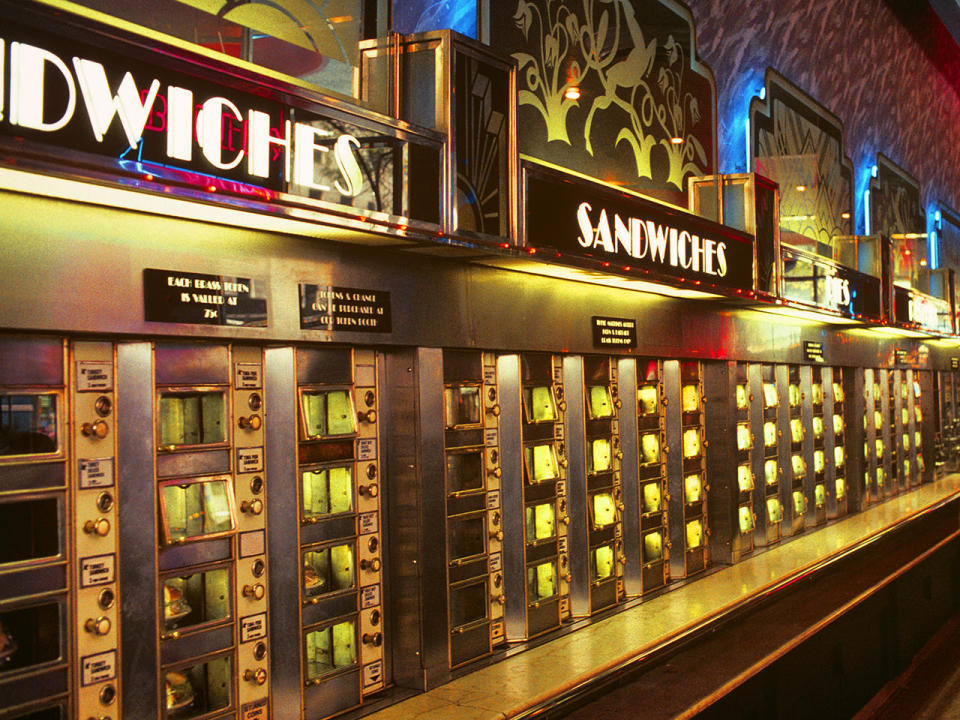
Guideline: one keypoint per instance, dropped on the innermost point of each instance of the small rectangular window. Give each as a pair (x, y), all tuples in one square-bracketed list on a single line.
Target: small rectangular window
[(601, 563), (746, 519), (650, 448), (652, 547), (196, 508), (326, 491), (540, 462), (603, 510), (195, 599), (462, 405), (541, 581), (29, 423), (690, 398), (192, 418), (538, 404), (330, 649), (327, 413), (651, 497), (600, 456), (694, 534), (467, 537), (744, 478), (647, 396), (540, 521), (199, 689), (465, 471), (692, 488), (328, 570), (599, 404), (468, 604)]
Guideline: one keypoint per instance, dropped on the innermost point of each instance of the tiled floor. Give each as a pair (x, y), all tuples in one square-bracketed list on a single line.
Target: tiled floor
[(521, 681)]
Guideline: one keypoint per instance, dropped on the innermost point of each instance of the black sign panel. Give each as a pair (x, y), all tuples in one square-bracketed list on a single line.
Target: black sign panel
[(614, 332), (584, 220), (954, 363), (198, 299), (820, 283), (166, 126), (900, 356), (813, 351), (325, 307)]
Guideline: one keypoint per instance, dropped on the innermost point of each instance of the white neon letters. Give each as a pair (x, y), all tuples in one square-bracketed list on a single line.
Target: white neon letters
[(646, 239), (223, 133)]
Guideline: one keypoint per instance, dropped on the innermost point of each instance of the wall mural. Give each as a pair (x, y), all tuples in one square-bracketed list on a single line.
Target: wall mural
[(612, 89), (798, 143)]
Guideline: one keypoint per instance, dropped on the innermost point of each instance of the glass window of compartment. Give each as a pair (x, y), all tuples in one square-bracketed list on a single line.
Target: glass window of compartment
[(192, 418), (197, 508), (538, 404), (652, 547), (817, 390), (837, 392), (770, 472), (540, 462), (744, 478), (651, 497), (769, 434), (603, 510), (817, 426), (467, 537), (798, 465), (326, 491), (468, 604), (819, 495), (793, 394), (29, 423), (744, 438), (29, 636), (541, 581), (694, 533), (741, 394), (465, 471), (647, 396), (198, 690), (799, 503), (818, 461), (774, 510), (29, 529), (837, 424), (745, 517), (196, 598), (841, 488), (327, 413), (600, 457), (540, 522), (691, 443), (328, 570), (462, 405), (330, 649), (601, 563), (838, 455), (796, 430), (690, 398), (769, 395), (650, 448), (599, 402), (692, 488)]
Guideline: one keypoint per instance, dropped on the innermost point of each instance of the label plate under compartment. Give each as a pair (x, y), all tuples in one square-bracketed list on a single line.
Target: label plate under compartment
[(369, 596), (96, 473), (252, 543), (246, 376), (97, 570), (368, 523), (98, 668), (256, 710), (253, 627), (250, 459), (366, 449), (94, 376), (373, 674)]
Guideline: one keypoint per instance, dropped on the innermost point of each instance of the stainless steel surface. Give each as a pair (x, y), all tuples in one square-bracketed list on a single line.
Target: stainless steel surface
[(674, 449), (630, 487), (283, 512), (573, 390), (137, 520), (511, 489)]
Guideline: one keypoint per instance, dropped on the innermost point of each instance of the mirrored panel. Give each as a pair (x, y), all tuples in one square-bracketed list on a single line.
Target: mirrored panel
[(540, 522), (198, 690), (196, 508), (600, 457), (694, 534), (468, 604), (690, 398), (192, 418), (745, 517), (599, 403), (541, 581), (691, 443), (692, 488), (744, 478), (647, 396), (651, 497), (29, 423), (466, 537), (330, 649), (327, 413), (464, 471), (652, 547), (538, 404), (195, 599), (540, 463), (603, 510), (650, 448), (326, 491), (328, 570), (601, 563), (462, 405)]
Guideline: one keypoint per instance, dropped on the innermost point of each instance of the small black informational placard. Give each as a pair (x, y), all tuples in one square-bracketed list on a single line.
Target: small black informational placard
[(326, 307), (954, 363), (199, 299), (614, 332), (900, 356), (813, 351)]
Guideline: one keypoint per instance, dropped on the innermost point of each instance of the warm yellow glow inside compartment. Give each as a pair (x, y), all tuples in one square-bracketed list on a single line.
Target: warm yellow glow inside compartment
[(741, 397), (690, 398), (604, 510), (774, 510), (744, 438), (650, 448), (691, 443), (746, 519), (647, 399), (819, 495), (651, 497), (692, 488), (770, 472), (694, 534), (769, 434), (744, 478)]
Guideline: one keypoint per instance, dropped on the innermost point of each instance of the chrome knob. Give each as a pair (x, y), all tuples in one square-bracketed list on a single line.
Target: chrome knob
[(375, 639), (255, 591), (370, 416), (370, 490), (97, 626), (257, 677), (100, 526), (252, 507), (373, 564), (250, 423), (98, 429)]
